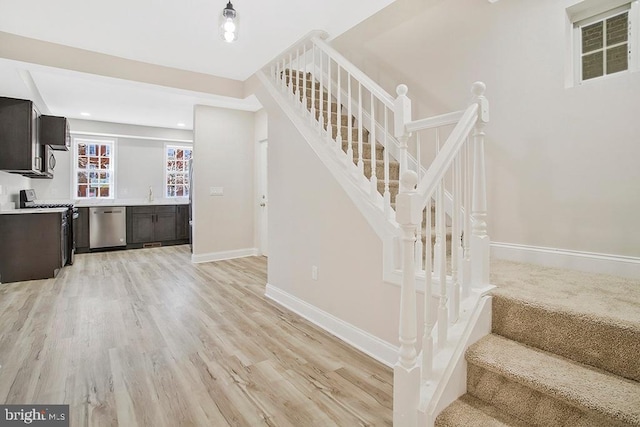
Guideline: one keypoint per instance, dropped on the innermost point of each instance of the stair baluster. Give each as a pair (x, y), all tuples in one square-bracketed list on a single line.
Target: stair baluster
[(374, 178), (427, 338), (360, 161), (419, 245), (456, 250), (466, 237), (349, 121), (303, 104), (313, 86), (329, 107), (386, 195), (339, 113), (321, 116)]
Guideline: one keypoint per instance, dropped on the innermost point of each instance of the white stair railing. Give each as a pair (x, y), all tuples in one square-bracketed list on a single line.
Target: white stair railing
[(459, 167), (325, 86), (329, 89)]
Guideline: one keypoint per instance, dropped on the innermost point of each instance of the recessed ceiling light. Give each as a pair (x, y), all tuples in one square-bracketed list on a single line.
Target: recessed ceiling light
[(85, 114), (181, 125)]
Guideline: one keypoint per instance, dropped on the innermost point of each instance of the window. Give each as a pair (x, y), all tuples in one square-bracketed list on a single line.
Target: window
[(94, 166), (603, 39), (178, 159)]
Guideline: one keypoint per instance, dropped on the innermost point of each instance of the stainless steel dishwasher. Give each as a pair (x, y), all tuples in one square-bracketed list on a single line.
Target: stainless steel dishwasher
[(107, 227)]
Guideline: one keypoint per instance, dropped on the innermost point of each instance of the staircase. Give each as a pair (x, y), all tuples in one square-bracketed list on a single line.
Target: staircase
[(427, 204), (558, 355), (352, 139)]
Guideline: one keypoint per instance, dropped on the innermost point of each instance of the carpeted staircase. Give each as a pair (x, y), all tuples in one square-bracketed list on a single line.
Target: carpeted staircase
[(295, 80), (562, 353)]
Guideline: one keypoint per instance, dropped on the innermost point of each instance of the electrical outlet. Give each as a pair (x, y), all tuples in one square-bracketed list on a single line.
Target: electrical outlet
[(314, 272), (216, 191)]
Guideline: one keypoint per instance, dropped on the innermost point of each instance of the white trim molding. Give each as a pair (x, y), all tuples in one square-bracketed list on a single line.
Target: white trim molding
[(591, 262), (224, 255), (369, 344)]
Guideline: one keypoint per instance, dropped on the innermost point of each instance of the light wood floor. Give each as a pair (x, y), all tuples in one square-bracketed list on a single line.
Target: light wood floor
[(145, 338)]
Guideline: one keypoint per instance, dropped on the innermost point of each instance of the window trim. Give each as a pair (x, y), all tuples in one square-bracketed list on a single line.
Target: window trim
[(166, 171), (112, 165), (589, 12)]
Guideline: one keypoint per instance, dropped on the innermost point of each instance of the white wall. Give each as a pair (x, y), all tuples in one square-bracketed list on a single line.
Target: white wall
[(10, 192), (312, 222), (563, 162), (139, 160), (223, 157)]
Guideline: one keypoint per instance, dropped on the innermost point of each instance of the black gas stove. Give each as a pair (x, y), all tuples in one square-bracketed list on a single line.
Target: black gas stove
[(69, 225)]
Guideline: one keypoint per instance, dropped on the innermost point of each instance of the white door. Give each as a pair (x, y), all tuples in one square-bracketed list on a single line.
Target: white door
[(263, 199)]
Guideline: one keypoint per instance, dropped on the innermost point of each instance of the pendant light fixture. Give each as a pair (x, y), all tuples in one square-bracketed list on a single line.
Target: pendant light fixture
[(229, 24)]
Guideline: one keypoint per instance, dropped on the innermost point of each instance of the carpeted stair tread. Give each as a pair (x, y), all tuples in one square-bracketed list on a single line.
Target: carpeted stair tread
[(470, 411), (596, 392), (547, 321)]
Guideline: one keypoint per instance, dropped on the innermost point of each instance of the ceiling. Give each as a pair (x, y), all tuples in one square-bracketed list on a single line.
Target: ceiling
[(178, 34)]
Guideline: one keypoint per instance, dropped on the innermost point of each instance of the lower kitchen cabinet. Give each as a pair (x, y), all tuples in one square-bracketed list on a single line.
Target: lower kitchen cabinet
[(33, 246), (182, 222), (155, 224)]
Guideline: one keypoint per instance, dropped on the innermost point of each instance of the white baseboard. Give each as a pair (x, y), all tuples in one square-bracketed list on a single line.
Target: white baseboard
[(371, 345), (574, 260), (220, 256)]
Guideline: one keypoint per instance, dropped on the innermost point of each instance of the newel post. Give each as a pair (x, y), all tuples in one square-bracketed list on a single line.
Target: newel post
[(406, 372), (402, 116), (480, 239)]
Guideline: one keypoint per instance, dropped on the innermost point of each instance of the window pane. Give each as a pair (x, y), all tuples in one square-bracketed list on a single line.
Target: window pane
[(171, 191), (592, 66), (179, 191), (187, 154), (104, 191), (93, 162), (82, 149), (171, 153), (617, 29), (93, 151), (82, 191), (82, 178), (82, 162), (104, 163), (617, 59), (179, 154), (592, 37)]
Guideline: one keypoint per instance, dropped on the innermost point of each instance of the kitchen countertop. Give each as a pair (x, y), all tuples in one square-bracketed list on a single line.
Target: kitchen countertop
[(33, 211), (128, 202)]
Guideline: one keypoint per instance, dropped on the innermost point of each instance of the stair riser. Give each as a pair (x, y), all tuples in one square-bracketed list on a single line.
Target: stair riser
[(394, 170), (600, 344), (344, 133), (539, 409), (366, 150), (299, 83)]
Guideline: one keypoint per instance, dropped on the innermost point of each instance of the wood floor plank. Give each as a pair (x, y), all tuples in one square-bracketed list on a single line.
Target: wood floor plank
[(146, 338)]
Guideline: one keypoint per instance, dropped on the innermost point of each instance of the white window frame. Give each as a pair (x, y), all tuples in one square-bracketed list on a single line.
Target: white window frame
[(112, 142), (165, 185), (591, 11)]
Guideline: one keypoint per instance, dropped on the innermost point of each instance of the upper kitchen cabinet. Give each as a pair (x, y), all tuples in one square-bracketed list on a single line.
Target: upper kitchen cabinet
[(54, 131), (20, 150)]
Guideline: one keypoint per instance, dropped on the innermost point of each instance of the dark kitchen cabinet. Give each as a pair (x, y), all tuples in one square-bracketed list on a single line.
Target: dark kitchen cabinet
[(151, 224), (20, 150), (54, 131), (82, 230), (182, 222), (33, 245)]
